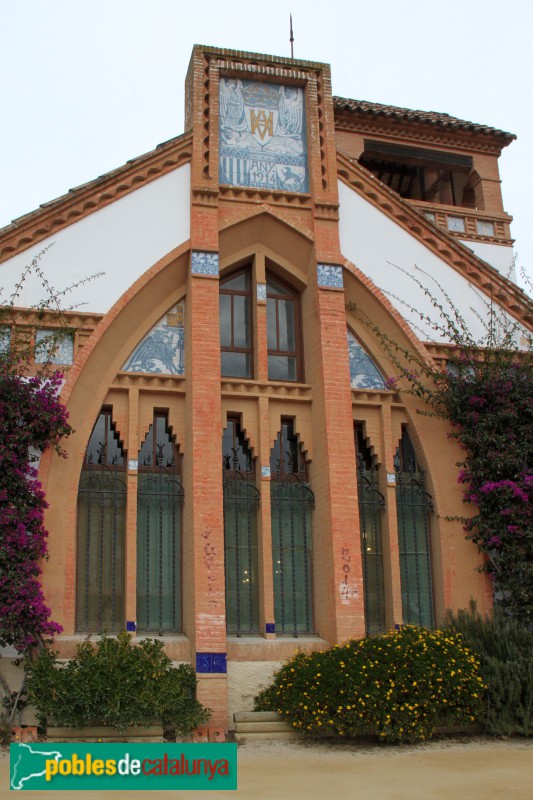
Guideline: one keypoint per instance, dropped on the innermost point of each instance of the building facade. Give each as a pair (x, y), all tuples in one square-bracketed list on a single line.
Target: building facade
[(244, 479)]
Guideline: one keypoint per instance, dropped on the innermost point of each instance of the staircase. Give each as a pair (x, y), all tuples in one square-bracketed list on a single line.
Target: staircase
[(262, 726)]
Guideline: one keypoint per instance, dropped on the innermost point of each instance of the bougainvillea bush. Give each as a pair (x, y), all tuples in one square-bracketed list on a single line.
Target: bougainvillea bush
[(398, 685), (31, 417), (486, 393)]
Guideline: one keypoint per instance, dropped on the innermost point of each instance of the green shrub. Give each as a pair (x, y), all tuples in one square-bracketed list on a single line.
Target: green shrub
[(505, 650), (399, 685), (116, 683)]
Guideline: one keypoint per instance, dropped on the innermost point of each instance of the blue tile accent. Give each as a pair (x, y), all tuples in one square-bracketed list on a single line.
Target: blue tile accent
[(265, 472), (162, 350), (53, 347), (270, 627), (363, 372), (204, 263), (203, 662), (261, 291), (131, 626), (219, 662), (262, 136), (5, 339), (330, 276), (133, 464)]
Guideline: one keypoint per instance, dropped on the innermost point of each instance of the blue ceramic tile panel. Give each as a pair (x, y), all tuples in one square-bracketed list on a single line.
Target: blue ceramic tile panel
[(265, 472), (5, 338), (203, 662), (330, 276), (163, 349), (204, 263), (270, 627), (261, 291), (52, 347), (262, 136), (219, 662), (363, 372), (131, 626)]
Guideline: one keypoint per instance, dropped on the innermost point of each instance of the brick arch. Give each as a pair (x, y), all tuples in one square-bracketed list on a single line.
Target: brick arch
[(86, 388)]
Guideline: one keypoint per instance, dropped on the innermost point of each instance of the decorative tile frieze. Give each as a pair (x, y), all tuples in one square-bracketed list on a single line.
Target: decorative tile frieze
[(203, 263), (456, 224), (484, 227), (262, 291), (363, 372), (330, 276), (53, 347), (162, 350)]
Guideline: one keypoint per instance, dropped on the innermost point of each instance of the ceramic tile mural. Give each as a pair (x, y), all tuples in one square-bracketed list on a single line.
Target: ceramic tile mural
[(363, 372), (330, 276), (163, 349), (204, 263), (263, 136), (52, 347)]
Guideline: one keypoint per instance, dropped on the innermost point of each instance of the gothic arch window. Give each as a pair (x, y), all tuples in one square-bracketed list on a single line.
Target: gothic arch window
[(101, 530), (414, 506), (364, 374), (283, 331), (371, 507), (235, 299), (159, 503), (241, 501), (292, 502)]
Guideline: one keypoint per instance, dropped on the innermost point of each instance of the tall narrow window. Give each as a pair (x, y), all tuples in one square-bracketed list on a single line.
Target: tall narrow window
[(413, 506), (236, 325), (241, 500), (371, 507), (283, 326), (159, 502), (292, 502), (101, 530)]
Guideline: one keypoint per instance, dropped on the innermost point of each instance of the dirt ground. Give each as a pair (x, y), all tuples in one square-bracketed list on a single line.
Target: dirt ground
[(451, 769)]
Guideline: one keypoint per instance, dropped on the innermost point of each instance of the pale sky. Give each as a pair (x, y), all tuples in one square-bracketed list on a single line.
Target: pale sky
[(89, 84)]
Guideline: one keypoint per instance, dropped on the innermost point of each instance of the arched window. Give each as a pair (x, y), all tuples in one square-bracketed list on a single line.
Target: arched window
[(241, 501), (292, 502), (159, 502), (413, 505), (236, 325), (283, 332), (101, 530), (371, 507)]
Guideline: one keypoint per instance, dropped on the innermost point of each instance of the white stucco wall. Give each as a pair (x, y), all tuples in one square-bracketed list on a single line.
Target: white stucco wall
[(122, 240), (499, 256), (377, 245), (245, 680)]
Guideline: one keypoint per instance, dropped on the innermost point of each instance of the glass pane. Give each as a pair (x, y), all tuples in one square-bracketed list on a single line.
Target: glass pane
[(95, 452), (238, 283), (236, 365), (282, 368), (240, 536), (158, 553), (101, 537), (147, 449), (415, 564), (225, 320), (241, 321), (272, 335), (286, 325), (273, 287)]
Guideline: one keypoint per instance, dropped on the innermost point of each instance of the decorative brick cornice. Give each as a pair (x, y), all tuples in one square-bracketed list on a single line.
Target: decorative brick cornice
[(482, 275), (404, 132), (84, 200)]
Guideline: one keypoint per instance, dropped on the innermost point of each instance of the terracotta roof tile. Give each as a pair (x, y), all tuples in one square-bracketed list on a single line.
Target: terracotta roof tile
[(412, 115)]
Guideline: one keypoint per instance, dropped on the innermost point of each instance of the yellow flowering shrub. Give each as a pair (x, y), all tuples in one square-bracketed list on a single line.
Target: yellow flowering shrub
[(399, 685)]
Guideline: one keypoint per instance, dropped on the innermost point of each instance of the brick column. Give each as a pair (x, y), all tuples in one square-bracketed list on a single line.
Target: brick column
[(391, 549), (339, 614), (204, 590), (131, 510)]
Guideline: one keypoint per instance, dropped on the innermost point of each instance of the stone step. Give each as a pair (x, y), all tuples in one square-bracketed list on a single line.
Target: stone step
[(264, 727), (264, 737), (257, 716)]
